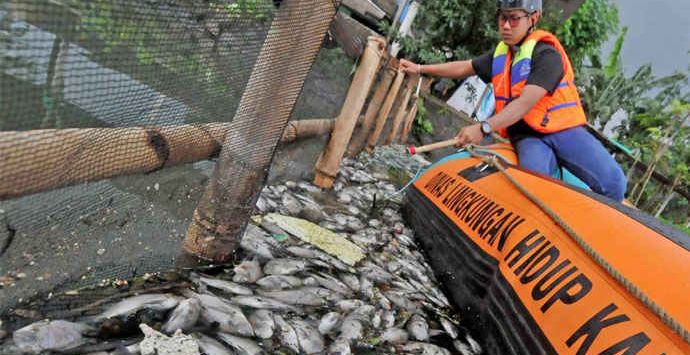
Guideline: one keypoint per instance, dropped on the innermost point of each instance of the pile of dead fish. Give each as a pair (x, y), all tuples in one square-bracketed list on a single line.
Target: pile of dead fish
[(325, 272)]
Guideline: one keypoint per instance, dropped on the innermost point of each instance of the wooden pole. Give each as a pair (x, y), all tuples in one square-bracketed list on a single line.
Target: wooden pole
[(409, 121), (288, 52), (53, 158), (359, 139), (329, 161), (433, 146), (399, 114), (385, 111), (306, 128)]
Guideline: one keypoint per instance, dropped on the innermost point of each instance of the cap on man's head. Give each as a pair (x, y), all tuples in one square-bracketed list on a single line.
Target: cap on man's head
[(528, 5)]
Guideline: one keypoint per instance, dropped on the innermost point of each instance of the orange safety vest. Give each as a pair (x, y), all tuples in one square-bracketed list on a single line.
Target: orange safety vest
[(554, 112)]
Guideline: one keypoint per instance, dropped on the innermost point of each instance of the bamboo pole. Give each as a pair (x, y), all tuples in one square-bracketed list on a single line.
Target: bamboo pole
[(409, 121), (307, 128), (230, 196), (385, 110), (399, 114), (329, 161), (359, 139), (53, 158)]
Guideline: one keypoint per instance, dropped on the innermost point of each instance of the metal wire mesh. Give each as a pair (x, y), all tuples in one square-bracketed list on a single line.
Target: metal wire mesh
[(98, 99)]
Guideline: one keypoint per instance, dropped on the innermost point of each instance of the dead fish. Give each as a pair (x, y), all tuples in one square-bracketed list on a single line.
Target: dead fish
[(462, 348), (399, 299), (279, 282), (223, 285), (376, 319), (339, 347), (394, 336), (449, 327), (285, 266), (348, 305), (309, 338), (210, 346), (286, 334), (242, 346), (424, 349), (314, 255), (387, 319), (262, 303), (375, 272), (247, 271), (229, 317), (183, 316), (418, 327), (256, 241), (153, 301), (45, 335), (328, 322), (366, 288), (307, 296), (351, 329), (474, 346), (263, 323), (350, 280), (332, 283)]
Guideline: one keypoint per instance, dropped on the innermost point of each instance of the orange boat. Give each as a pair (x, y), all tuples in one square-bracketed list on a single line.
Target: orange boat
[(539, 266)]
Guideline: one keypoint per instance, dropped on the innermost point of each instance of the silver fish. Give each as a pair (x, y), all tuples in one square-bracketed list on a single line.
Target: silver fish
[(366, 288), (285, 266), (242, 346), (229, 317), (247, 271), (424, 349), (210, 346), (348, 305), (375, 272), (351, 329), (314, 255), (350, 280), (256, 241), (394, 336), (376, 319), (328, 322), (279, 282), (45, 335), (332, 283), (263, 323), (462, 348), (286, 334), (183, 316), (340, 347), (262, 303), (223, 285), (308, 296), (309, 338), (387, 319), (153, 301), (418, 327), (449, 327), (399, 299), (476, 348)]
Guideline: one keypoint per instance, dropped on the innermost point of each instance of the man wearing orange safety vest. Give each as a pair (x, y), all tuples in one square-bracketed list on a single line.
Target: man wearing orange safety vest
[(537, 104)]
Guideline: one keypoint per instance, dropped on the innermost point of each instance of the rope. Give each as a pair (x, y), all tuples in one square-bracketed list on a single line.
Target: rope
[(634, 290)]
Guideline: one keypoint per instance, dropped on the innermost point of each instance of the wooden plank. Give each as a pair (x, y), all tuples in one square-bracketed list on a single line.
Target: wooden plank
[(366, 9), (389, 6), (350, 34)]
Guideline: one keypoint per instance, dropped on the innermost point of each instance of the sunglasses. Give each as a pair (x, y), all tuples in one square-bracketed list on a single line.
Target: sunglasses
[(514, 20)]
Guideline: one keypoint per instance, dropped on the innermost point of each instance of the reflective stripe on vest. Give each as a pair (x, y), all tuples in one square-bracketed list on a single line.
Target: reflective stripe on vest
[(552, 113)]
